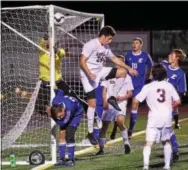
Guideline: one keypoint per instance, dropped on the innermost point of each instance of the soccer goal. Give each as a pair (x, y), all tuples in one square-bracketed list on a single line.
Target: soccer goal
[(24, 129)]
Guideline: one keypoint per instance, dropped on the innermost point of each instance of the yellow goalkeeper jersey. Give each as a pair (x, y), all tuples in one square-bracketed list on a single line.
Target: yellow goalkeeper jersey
[(44, 64)]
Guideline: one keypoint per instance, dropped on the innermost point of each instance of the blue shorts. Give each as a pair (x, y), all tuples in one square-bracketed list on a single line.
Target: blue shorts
[(99, 110), (137, 90)]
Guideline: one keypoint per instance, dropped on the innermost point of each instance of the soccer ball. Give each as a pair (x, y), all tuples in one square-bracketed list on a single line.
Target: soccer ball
[(59, 18)]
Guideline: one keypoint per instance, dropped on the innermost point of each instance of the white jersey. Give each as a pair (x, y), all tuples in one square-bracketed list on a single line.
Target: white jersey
[(118, 86), (96, 54), (159, 96)]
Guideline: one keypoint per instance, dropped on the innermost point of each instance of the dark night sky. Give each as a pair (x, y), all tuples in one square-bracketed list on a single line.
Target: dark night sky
[(127, 15)]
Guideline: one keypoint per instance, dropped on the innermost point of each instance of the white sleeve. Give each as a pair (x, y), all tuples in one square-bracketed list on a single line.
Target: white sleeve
[(87, 49), (104, 83), (174, 93), (142, 95)]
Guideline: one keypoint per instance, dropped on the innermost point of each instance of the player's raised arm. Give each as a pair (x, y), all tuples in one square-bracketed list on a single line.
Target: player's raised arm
[(122, 64), (149, 64)]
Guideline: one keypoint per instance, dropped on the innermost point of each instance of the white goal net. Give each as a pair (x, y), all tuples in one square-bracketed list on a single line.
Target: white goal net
[(23, 128)]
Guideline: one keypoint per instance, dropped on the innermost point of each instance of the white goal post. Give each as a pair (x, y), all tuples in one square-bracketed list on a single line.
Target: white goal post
[(24, 129)]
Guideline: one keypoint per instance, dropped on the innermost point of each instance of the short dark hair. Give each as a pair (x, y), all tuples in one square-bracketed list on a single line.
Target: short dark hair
[(55, 109), (159, 72), (138, 39), (107, 31)]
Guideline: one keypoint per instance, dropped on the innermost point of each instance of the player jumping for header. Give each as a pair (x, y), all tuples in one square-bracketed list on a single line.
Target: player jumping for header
[(92, 70)]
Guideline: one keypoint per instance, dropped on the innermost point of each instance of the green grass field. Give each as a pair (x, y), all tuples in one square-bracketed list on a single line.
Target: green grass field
[(114, 157)]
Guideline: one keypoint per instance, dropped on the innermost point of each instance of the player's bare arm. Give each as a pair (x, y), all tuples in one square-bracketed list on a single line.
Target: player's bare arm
[(122, 64), (125, 97), (176, 103), (148, 74), (85, 67)]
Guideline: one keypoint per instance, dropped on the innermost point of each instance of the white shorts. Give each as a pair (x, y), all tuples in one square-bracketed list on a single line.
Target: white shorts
[(158, 134), (111, 113), (89, 84)]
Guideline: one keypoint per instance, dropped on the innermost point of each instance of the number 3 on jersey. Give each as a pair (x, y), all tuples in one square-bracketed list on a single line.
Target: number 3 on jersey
[(161, 97)]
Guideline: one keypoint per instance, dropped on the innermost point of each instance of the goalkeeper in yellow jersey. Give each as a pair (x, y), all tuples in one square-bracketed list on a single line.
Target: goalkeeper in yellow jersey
[(44, 75)]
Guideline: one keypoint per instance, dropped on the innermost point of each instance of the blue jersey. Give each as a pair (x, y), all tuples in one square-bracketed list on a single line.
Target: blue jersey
[(176, 77), (73, 109), (141, 63)]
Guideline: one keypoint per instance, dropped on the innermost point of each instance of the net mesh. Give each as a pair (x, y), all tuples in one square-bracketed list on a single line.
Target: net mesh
[(20, 72)]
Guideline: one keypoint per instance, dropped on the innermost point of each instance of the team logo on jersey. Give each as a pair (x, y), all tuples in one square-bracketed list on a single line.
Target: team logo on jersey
[(173, 76), (140, 60), (112, 82), (129, 59)]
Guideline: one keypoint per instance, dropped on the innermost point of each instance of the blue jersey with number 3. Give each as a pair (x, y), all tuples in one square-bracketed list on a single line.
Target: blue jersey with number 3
[(140, 63), (73, 109), (176, 77)]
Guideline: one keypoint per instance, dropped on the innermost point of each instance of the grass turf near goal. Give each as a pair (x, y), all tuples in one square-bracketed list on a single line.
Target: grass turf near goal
[(114, 157)]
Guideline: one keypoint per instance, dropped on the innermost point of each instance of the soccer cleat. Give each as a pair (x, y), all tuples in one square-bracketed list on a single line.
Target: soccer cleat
[(92, 139), (175, 156), (99, 122), (127, 148), (130, 133), (145, 167), (100, 152), (61, 162), (70, 163), (177, 126), (112, 101), (166, 168)]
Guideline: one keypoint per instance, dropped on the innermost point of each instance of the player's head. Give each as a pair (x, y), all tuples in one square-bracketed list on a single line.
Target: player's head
[(58, 111), (175, 55), (137, 44), (159, 72), (106, 35), (120, 57)]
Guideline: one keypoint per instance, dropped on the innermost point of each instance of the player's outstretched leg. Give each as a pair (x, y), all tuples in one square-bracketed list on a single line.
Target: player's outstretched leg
[(174, 143), (114, 131)]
